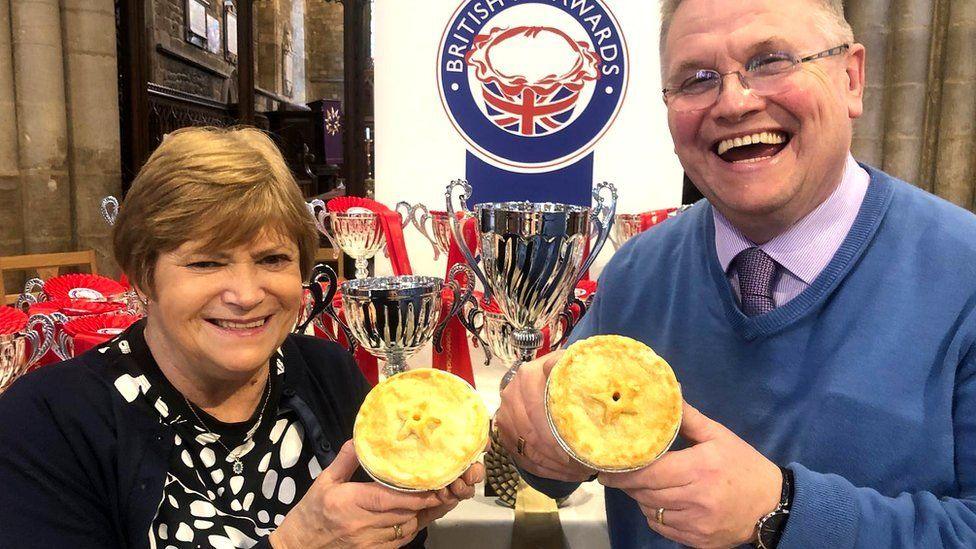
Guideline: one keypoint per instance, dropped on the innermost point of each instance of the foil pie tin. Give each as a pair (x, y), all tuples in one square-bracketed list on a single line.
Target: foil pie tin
[(460, 470), (569, 450)]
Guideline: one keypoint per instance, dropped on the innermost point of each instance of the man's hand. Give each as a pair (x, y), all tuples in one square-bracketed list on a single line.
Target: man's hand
[(712, 493), (522, 414)]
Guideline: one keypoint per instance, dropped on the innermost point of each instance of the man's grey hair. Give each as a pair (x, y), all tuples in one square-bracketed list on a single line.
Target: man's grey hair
[(829, 19)]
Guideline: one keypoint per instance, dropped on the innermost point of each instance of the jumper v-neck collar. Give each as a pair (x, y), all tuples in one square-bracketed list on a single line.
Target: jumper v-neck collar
[(869, 217)]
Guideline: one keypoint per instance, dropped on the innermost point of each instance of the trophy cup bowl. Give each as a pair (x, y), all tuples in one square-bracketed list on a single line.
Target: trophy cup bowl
[(358, 232), (625, 227), (15, 360), (394, 316), (532, 257)]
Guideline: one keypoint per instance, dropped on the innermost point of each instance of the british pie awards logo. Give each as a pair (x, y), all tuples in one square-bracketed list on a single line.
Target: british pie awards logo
[(532, 85)]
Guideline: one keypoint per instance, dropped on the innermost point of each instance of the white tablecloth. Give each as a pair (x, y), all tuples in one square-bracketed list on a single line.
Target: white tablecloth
[(481, 523)]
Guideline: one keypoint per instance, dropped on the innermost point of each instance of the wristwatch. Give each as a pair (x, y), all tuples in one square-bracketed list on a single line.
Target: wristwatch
[(770, 527)]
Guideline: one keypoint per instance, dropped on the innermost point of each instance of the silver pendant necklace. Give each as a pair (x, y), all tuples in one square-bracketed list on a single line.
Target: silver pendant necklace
[(238, 465)]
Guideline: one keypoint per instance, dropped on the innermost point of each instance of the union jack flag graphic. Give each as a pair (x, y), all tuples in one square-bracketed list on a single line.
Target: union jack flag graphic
[(526, 97), (528, 113)]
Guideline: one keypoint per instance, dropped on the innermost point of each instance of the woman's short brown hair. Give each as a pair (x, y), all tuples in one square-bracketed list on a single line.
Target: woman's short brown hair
[(221, 185)]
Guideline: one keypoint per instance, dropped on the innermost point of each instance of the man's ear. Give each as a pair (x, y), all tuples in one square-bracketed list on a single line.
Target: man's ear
[(854, 69)]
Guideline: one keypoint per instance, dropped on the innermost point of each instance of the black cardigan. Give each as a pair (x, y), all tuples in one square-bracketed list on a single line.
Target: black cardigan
[(79, 469)]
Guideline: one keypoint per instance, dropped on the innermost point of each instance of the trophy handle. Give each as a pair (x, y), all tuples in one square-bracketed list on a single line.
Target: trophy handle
[(323, 222), (569, 320), (322, 303), (110, 209), (456, 230), (27, 298), (406, 214), (62, 344), (601, 218), (421, 226), (37, 326), (320, 213), (461, 296), (320, 299), (476, 328)]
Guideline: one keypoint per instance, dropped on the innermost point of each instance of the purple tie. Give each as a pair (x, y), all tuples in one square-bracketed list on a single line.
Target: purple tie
[(756, 272)]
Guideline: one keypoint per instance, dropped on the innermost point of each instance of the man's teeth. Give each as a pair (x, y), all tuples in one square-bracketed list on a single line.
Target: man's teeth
[(770, 138), (230, 325)]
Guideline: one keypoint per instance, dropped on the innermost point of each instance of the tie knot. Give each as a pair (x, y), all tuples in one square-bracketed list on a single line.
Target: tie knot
[(756, 272)]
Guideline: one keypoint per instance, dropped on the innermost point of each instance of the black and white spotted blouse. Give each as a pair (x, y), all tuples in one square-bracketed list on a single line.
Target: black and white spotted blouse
[(204, 503)]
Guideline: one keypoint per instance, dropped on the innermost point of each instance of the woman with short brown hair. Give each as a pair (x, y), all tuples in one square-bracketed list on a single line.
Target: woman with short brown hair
[(208, 423)]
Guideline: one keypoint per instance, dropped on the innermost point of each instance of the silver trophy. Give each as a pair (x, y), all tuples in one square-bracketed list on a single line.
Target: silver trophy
[(15, 360), (532, 257), (625, 227), (357, 231), (394, 316), (110, 212)]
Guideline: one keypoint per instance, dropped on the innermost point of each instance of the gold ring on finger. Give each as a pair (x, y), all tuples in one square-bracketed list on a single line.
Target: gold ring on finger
[(397, 531), (659, 516), (520, 446)]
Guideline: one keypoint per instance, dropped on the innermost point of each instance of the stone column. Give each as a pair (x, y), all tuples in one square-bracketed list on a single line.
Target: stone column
[(93, 119), (955, 171), (41, 124), (11, 221), (904, 130), (869, 18)]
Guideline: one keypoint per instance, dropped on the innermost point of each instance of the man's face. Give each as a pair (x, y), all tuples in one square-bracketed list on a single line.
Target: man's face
[(763, 189)]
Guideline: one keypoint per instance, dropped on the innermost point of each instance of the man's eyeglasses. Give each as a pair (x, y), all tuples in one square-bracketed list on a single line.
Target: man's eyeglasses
[(765, 75)]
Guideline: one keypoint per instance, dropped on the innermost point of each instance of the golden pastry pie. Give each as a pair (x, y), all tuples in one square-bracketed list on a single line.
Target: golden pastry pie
[(613, 403), (420, 430)]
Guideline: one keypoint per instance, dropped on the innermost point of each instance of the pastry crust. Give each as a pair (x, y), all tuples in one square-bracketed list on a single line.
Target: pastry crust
[(613, 403), (420, 430)]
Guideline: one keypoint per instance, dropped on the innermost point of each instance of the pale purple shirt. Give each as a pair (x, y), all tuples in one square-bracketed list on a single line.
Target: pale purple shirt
[(806, 247)]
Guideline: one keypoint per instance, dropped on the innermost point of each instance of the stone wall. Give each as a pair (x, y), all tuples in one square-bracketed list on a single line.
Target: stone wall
[(178, 64), (59, 142), (323, 51)]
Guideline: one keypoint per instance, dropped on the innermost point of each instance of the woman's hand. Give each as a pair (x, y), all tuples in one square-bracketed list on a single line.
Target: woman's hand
[(460, 489), (336, 513)]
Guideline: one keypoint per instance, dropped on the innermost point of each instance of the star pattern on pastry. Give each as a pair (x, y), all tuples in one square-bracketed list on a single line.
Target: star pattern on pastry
[(417, 422), (616, 401)]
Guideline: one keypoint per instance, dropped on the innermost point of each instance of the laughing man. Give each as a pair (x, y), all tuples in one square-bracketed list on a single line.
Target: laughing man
[(819, 313)]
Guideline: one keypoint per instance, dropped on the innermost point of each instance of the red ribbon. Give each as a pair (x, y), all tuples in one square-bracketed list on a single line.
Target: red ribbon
[(456, 356), (390, 222)]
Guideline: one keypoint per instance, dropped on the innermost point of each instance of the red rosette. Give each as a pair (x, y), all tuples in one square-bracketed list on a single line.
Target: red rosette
[(76, 307), (107, 325), (82, 287), (90, 331), (12, 320)]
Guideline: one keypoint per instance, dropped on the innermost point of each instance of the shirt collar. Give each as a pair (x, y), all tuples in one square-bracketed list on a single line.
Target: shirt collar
[(805, 248)]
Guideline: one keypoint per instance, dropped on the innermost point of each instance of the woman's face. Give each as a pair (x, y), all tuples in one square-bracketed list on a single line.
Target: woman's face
[(223, 314)]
